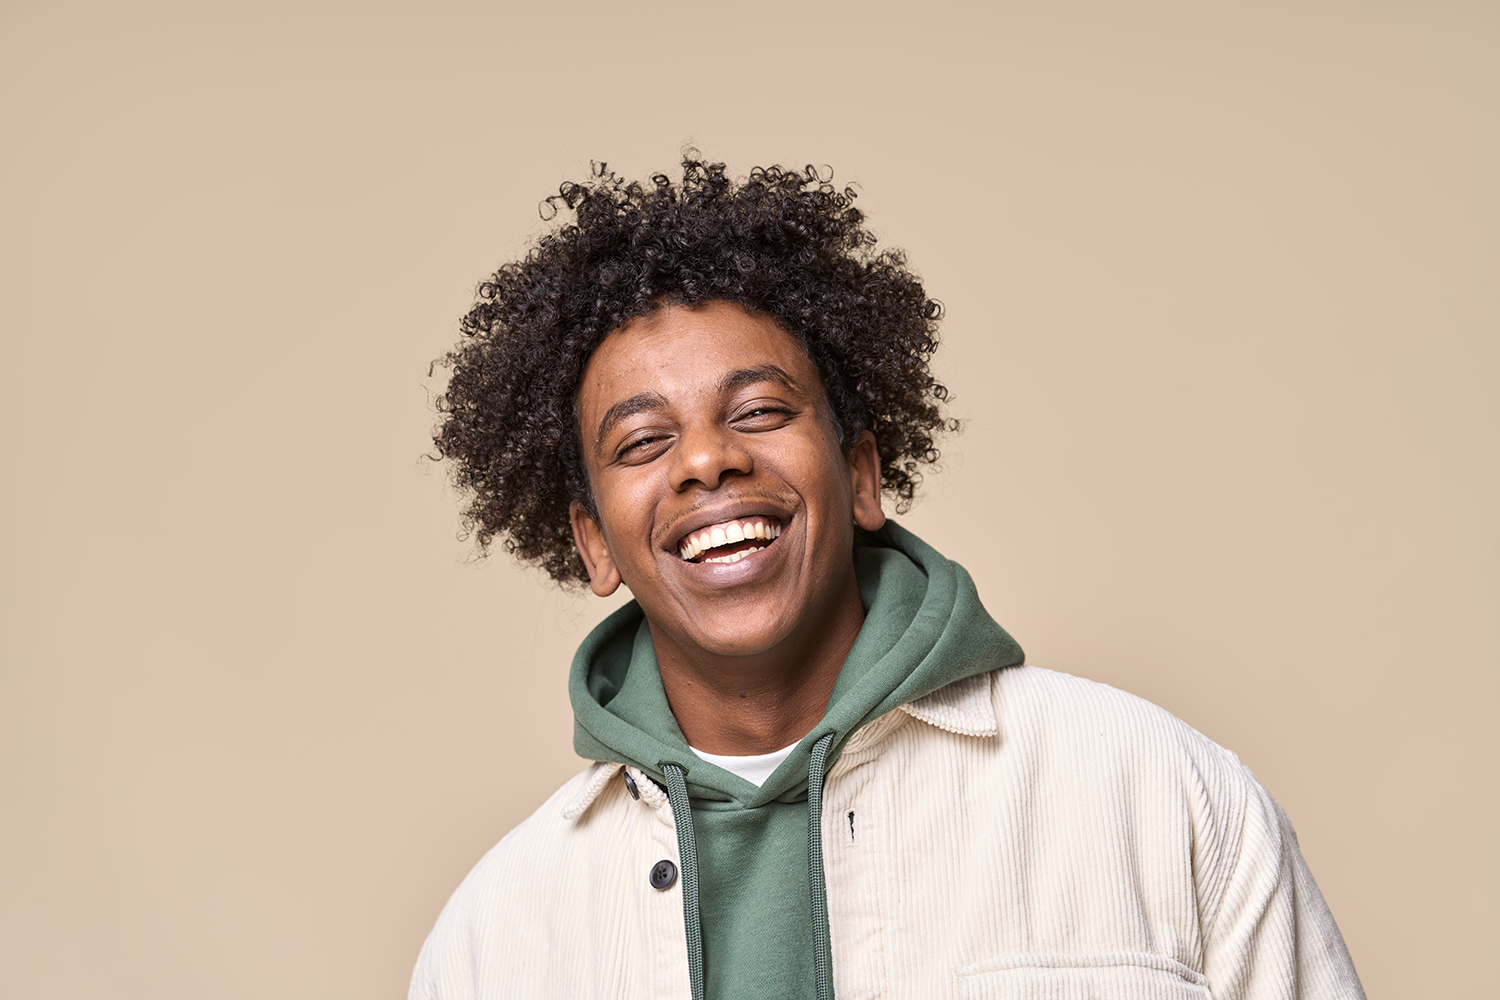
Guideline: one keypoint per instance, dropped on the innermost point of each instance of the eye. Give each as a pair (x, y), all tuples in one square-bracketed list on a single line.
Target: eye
[(640, 449), (762, 416)]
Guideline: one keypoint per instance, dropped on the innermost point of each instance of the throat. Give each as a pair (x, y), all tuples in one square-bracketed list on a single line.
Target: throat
[(757, 701)]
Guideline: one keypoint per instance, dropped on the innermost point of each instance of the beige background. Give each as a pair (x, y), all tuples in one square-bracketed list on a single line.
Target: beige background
[(1221, 282)]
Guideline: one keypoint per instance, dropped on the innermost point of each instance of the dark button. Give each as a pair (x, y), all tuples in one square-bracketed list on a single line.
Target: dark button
[(663, 874), (635, 793)]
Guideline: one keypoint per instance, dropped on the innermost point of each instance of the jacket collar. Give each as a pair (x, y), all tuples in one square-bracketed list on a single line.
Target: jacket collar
[(965, 708)]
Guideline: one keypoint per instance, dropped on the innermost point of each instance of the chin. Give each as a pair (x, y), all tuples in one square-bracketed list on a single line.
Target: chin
[(727, 635), (730, 642)]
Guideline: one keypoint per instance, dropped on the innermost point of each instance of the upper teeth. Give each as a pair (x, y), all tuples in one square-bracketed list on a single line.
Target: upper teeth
[(726, 533)]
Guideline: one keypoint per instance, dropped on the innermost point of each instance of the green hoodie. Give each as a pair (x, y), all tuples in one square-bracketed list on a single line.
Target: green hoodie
[(753, 891)]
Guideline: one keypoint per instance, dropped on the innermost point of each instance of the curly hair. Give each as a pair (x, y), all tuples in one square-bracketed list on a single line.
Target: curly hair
[(783, 243)]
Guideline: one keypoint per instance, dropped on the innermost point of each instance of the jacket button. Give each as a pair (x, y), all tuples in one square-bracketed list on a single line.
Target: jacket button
[(663, 874), (635, 793)]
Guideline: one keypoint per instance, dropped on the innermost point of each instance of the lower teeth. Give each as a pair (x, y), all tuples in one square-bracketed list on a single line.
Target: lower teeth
[(733, 557)]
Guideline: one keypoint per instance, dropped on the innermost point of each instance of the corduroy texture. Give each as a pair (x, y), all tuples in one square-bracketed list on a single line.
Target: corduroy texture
[(1019, 834)]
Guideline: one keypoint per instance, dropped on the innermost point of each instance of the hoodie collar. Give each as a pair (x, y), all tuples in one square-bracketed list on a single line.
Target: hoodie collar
[(966, 708), (924, 629)]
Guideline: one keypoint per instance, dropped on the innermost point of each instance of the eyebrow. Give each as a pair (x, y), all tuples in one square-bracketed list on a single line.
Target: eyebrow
[(741, 377), (737, 379), (626, 408)]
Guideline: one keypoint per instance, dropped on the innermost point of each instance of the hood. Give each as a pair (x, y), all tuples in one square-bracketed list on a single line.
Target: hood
[(924, 628)]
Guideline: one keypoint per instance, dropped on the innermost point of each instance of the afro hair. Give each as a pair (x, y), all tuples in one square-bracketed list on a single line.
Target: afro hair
[(783, 243)]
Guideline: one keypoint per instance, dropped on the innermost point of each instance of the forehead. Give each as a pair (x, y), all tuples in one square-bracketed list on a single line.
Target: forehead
[(683, 352)]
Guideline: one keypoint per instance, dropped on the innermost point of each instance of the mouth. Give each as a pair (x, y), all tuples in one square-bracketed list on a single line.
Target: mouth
[(729, 541)]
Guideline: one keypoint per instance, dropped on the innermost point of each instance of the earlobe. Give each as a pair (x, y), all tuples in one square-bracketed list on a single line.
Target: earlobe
[(864, 475), (604, 578)]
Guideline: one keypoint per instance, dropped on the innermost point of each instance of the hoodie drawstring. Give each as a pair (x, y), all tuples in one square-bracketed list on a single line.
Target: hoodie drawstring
[(817, 770), (687, 853)]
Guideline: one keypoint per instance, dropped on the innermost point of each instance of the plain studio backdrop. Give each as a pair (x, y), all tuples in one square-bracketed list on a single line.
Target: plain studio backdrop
[(1222, 301)]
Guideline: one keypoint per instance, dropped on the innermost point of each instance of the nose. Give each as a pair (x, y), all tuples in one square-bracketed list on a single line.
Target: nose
[(704, 455)]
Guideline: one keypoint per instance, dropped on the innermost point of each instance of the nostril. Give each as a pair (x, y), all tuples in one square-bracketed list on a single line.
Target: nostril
[(705, 459)]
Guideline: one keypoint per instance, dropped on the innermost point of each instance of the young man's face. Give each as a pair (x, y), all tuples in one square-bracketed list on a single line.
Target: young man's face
[(725, 502)]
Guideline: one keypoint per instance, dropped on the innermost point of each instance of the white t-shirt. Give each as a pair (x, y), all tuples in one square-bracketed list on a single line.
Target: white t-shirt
[(755, 768)]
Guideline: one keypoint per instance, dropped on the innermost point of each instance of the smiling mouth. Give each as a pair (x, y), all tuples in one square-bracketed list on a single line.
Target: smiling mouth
[(729, 541)]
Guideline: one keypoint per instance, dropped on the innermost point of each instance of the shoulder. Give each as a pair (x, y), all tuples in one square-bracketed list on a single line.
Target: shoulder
[(1116, 751), (1046, 707), (526, 858), (503, 895), (1037, 690), (1110, 746)]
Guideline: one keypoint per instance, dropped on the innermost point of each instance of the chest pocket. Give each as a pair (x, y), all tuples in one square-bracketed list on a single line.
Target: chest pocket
[(1082, 977)]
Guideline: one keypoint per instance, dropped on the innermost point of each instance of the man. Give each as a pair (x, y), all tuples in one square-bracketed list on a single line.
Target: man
[(822, 769)]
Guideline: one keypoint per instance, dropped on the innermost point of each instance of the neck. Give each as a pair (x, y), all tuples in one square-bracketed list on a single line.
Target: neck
[(756, 703)]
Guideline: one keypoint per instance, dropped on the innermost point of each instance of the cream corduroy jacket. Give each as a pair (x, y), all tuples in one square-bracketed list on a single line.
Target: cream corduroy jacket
[(1022, 834)]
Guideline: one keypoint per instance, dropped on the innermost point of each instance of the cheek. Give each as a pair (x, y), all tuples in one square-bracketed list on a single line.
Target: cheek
[(625, 515), (824, 480)]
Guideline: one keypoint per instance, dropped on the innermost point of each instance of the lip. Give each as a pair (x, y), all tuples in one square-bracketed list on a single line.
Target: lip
[(712, 576), (739, 510)]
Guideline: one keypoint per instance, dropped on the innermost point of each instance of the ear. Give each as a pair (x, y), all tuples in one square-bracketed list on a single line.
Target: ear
[(604, 578), (864, 477)]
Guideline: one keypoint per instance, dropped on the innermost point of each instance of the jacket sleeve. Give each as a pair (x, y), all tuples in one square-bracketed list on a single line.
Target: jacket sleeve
[(1271, 936), (445, 968)]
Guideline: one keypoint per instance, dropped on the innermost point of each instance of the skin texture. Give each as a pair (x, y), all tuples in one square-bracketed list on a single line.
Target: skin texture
[(691, 416)]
